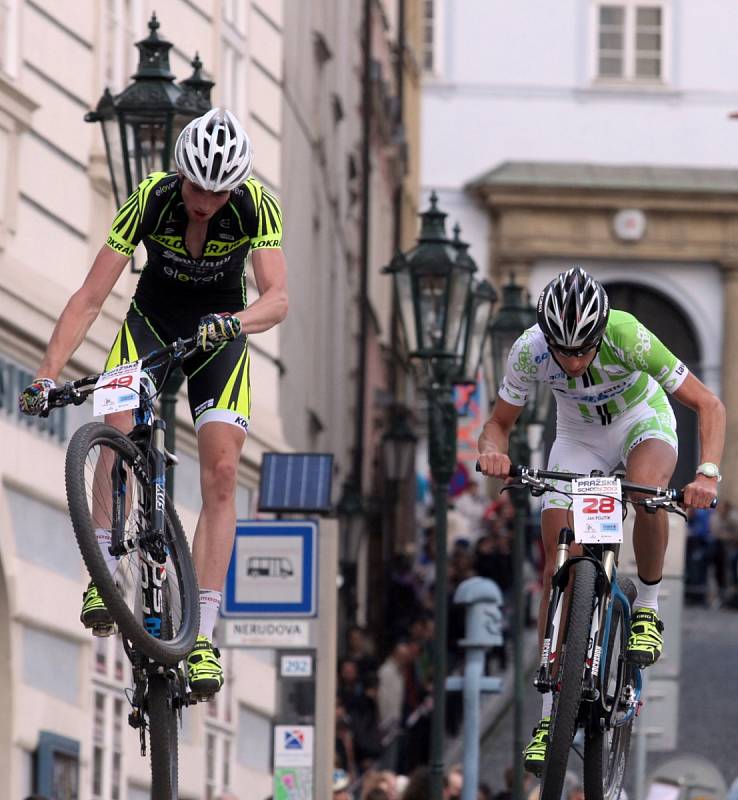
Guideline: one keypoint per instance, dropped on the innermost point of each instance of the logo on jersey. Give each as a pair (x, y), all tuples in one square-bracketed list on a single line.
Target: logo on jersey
[(183, 277), (267, 243), (221, 248)]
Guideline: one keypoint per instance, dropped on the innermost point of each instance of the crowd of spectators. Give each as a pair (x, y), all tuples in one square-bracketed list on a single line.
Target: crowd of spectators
[(385, 687), (711, 557)]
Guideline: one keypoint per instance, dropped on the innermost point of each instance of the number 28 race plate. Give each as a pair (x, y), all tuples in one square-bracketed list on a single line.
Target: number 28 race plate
[(117, 390), (598, 515)]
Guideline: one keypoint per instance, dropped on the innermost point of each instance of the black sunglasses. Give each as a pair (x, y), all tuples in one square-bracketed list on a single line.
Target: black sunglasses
[(574, 352)]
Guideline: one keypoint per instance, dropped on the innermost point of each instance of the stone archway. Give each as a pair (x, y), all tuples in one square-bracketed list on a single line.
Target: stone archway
[(667, 321)]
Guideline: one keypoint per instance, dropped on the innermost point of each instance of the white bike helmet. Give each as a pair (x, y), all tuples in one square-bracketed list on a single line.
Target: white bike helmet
[(214, 151), (573, 310)]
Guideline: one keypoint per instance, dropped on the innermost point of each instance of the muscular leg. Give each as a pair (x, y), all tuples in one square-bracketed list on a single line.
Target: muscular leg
[(650, 462), (219, 446)]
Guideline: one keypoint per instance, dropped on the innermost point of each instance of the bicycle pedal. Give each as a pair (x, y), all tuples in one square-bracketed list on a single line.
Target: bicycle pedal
[(201, 698), (103, 630)]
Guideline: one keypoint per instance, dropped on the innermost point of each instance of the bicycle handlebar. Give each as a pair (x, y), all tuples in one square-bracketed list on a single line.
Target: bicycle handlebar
[(533, 478), (70, 392)]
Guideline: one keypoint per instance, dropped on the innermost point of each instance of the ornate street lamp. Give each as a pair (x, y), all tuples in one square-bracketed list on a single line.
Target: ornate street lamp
[(140, 125), (473, 338), (433, 282), (515, 316), (139, 128)]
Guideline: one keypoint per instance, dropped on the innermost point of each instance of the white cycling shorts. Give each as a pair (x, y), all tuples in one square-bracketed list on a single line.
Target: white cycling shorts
[(583, 447)]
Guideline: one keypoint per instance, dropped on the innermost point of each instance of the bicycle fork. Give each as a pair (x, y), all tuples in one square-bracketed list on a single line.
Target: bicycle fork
[(544, 681)]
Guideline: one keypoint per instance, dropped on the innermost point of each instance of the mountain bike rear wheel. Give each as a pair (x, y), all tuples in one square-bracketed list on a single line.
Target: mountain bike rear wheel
[(163, 733), (94, 451), (607, 738), (569, 678)]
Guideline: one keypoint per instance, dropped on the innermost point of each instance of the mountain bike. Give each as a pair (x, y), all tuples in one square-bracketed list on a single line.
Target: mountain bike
[(116, 482), (583, 659)]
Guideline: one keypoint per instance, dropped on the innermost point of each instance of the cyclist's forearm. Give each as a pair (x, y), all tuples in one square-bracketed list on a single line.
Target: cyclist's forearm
[(712, 431), (70, 331), (494, 438), (265, 312)]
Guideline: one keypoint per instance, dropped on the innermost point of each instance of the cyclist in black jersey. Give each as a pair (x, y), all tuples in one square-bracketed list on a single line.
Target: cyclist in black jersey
[(197, 226)]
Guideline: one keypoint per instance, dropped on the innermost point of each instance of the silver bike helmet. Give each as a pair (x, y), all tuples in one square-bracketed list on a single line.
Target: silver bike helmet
[(214, 151), (573, 310)]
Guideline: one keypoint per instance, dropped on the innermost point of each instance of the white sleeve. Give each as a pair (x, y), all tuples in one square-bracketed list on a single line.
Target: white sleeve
[(521, 372)]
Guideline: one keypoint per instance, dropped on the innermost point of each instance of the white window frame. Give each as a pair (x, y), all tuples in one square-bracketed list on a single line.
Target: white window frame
[(109, 682), (9, 37), (629, 37), (120, 29), (220, 725), (437, 45), (232, 84)]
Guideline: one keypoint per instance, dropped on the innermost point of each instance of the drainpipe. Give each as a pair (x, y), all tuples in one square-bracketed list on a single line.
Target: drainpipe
[(363, 299)]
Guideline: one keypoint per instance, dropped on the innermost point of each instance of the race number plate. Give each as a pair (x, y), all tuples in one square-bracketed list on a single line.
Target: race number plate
[(117, 390), (598, 515)]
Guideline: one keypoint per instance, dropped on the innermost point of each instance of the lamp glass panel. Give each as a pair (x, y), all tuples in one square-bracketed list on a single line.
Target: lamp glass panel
[(404, 288), (502, 342), (480, 312), (399, 455), (432, 300), (114, 153), (457, 305), (146, 138)]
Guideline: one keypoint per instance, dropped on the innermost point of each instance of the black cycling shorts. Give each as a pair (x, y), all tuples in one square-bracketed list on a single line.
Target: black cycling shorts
[(218, 382)]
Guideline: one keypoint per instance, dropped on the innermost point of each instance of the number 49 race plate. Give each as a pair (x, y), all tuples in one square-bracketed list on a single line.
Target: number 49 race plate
[(598, 514), (117, 390)]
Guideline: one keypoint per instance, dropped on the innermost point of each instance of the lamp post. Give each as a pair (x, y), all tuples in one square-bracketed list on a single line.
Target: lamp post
[(139, 128), (433, 283), (515, 316)]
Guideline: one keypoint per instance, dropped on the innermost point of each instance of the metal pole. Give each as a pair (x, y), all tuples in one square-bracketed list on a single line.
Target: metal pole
[(473, 672), (519, 454), (442, 456), (168, 414), (325, 658)]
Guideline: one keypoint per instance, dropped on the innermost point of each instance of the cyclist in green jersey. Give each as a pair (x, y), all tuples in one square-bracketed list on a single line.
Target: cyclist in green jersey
[(197, 226), (609, 375)]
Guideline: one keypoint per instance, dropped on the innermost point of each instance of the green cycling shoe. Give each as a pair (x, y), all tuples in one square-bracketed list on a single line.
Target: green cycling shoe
[(534, 754), (645, 643), (95, 615), (204, 671)]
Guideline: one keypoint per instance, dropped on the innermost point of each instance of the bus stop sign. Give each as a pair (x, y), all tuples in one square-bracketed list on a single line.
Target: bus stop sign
[(273, 570)]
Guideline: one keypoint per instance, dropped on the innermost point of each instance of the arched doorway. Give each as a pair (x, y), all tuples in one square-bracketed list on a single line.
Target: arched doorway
[(674, 328)]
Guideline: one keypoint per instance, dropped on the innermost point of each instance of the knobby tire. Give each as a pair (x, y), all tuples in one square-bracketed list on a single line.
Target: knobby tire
[(570, 678), (606, 752), (163, 651), (163, 730)]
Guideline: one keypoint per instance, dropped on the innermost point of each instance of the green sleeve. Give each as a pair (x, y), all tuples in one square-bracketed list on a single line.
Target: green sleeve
[(642, 351)]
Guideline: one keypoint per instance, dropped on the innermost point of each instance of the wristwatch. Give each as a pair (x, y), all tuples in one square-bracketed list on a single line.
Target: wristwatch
[(709, 470)]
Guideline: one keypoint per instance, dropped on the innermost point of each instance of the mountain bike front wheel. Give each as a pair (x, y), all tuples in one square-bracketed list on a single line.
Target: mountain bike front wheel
[(101, 459), (163, 730), (607, 738), (569, 679)]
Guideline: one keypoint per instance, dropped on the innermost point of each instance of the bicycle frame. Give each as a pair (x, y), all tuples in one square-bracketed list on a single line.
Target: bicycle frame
[(607, 593)]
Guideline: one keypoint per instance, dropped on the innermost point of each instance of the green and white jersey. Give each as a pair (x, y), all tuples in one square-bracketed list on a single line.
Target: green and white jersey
[(631, 367)]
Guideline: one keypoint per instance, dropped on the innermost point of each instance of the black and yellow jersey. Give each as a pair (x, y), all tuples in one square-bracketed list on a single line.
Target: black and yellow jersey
[(175, 289)]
